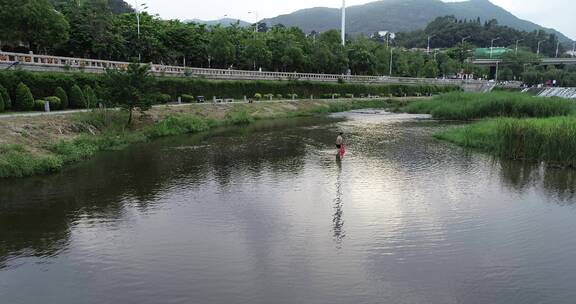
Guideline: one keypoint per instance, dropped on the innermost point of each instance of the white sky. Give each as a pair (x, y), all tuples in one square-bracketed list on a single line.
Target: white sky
[(558, 14)]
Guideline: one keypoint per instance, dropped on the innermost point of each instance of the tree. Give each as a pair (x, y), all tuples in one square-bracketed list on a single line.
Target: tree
[(2, 106), (6, 98), (24, 98), (77, 99), (131, 89), (60, 93), (430, 69), (34, 22)]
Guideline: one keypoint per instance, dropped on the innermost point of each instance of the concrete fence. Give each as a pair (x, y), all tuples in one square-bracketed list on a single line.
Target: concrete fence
[(34, 62)]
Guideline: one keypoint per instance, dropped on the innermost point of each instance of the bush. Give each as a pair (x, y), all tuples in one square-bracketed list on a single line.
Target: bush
[(77, 99), (188, 98), (89, 97), (258, 96), (279, 96), (6, 98), (61, 94), (24, 98), (55, 103), (39, 105), (163, 98), (2, 107), (349, 95)]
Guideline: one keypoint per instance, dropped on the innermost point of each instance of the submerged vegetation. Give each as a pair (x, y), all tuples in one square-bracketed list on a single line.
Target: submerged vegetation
[(470, 106), (113, 134)]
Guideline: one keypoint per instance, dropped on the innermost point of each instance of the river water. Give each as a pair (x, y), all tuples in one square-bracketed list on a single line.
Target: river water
[(268, 214)]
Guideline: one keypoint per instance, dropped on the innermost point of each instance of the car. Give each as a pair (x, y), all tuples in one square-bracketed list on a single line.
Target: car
[(200, 99)]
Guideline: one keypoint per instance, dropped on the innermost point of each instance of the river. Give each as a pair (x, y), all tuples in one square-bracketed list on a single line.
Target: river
[(268, 214)]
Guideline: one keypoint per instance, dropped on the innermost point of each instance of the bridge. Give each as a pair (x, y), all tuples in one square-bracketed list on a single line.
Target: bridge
[(544, 61), (43, 63)]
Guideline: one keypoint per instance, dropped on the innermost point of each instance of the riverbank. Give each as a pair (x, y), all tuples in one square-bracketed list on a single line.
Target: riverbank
[(518, 126), (40, 145)]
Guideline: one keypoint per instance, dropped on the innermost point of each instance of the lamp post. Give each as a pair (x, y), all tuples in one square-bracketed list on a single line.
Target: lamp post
[(428, 48), (343, 23), (518, 41), (539, 43), (492, 46), (391, 60), (139, 9), (256, 29)]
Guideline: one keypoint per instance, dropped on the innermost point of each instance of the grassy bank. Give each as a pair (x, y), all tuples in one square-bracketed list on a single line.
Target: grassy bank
[(106, 130), (552, 140), (470, 106)]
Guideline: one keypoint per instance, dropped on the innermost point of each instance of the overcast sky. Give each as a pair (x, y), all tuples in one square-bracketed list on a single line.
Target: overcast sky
[(558, 14)]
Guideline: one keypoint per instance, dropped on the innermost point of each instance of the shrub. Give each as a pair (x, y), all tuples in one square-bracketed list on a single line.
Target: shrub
[(77, 99), (89, 97), (55, 102), (279, 96), (6, 98), (61, 94), (258, 96), (2, 107), (348, 95), (163, 98), (24, 98), (187, 98), (39, 104), (269, 96)]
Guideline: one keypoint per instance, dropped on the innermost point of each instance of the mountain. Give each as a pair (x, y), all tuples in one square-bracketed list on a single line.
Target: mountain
[(223, 21), (402, 16)]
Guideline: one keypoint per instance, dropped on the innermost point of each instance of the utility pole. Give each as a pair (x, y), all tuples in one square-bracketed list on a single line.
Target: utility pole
[(492, 46), (518, 41), (256, 29), (391, 56), (557, 48), (428, 48), (343, 22)]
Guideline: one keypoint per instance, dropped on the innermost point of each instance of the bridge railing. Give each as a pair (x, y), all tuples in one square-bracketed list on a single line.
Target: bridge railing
[(43, 62)]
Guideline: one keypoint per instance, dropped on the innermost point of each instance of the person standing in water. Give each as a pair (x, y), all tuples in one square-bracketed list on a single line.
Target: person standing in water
[(339, 141)]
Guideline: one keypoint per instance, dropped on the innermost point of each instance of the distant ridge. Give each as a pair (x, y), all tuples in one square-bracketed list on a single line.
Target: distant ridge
[(223, 22), (402, 15)]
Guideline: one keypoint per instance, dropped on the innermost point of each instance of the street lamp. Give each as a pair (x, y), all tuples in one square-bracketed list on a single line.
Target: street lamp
[(428, 48), (492, 46), (518, 41), (257, 20), (539, 43), (139, 8), (343, 33)]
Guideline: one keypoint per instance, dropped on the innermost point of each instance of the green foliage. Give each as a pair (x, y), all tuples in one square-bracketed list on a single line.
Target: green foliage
[(132, 88), (61, 94), (24, 98), (162, 98), (5, 98), (90, 98), (468, 106), (175, 125), (239, 118), (15, 161), (39, 105), (188, 98), (552, 140), (2, 106), (257, 96), (77, 99), (55, 102)]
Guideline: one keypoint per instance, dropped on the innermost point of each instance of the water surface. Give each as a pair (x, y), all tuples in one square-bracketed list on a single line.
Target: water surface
[(268, 214)]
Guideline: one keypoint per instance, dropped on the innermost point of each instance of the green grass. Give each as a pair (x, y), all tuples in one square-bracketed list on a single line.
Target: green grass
[(551, 140), (470, 106), (15, 161)]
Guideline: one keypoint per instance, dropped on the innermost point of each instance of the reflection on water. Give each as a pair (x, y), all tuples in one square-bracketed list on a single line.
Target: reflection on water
[(269, 214)]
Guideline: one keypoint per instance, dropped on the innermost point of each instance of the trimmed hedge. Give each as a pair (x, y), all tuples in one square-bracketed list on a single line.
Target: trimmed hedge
[(90, 98), (188, 98), (60, 93), (6, 98), (55, 102), (77, 99), (24, 98), (45, 84)]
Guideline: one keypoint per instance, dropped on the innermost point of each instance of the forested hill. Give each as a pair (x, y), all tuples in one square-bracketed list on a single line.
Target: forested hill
[(117, 6), (402, 16)]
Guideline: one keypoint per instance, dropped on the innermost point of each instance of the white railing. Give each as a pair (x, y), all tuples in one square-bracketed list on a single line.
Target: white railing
[(54, 63)]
